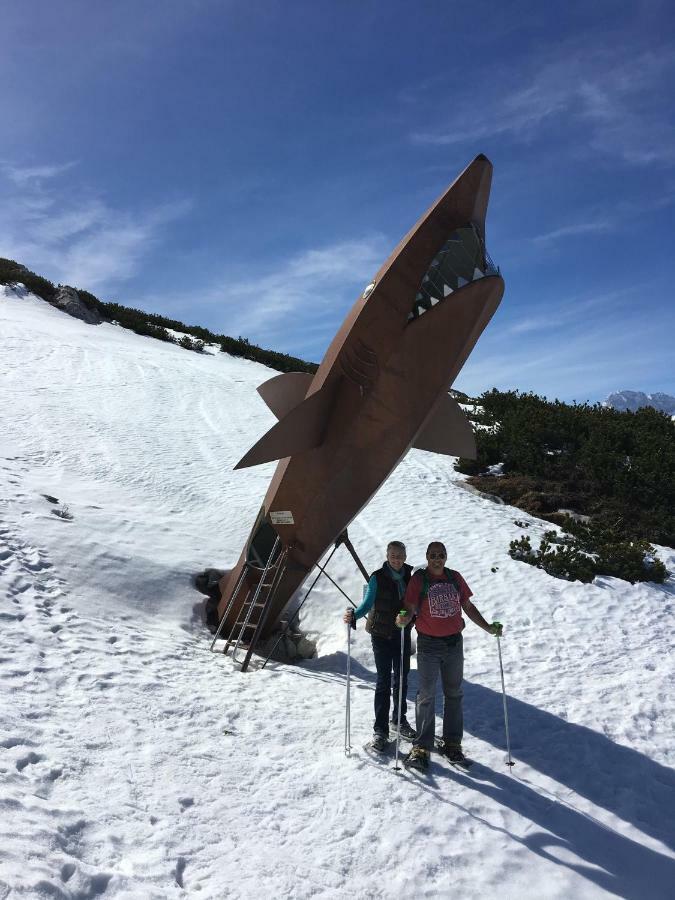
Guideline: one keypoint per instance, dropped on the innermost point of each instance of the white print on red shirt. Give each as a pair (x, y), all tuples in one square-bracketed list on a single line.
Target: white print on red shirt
[(443, 600)]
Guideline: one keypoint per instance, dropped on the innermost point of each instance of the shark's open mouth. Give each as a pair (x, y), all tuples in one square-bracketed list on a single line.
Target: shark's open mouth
[(461, 260)]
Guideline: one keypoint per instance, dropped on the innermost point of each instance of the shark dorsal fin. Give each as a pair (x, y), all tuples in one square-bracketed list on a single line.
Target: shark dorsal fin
[(283, 392), (301, 429)]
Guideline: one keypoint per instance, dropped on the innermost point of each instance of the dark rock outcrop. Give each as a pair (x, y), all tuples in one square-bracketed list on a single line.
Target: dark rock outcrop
[(70, 302)]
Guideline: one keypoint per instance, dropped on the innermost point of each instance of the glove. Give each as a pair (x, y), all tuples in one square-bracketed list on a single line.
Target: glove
[(497, 629), (349, 618), (403, 614)]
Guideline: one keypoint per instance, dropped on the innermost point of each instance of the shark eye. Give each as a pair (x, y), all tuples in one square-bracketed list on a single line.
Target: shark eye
[(368, 291)]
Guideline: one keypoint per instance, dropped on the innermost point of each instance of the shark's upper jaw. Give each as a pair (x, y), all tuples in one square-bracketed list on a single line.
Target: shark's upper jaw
[(461, 260)]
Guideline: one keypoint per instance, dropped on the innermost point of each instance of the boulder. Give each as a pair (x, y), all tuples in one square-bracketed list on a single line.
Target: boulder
[(306, 649), (70, 302), (206, 582)]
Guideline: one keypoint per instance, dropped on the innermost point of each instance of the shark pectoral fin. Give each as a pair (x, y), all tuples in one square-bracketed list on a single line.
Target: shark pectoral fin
[(302, 429), (284, 392), (447, 431)]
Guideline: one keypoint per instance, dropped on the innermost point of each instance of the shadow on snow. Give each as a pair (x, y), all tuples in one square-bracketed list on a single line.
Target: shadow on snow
[(624, 782)]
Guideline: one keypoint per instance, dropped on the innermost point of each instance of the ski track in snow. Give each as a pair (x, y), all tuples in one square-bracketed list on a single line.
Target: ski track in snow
[(135, 763)]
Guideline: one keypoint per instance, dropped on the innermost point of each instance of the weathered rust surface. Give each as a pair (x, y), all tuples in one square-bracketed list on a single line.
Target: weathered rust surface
[(382, 384)]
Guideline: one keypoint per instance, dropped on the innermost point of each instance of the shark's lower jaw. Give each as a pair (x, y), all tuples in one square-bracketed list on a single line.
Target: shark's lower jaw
[(461, 260)]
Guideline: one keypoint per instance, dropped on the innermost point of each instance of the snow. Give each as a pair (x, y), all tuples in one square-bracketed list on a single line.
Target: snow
[(136, 764)]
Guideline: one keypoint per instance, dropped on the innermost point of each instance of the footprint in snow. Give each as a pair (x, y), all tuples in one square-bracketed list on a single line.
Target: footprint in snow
[(29, 760)]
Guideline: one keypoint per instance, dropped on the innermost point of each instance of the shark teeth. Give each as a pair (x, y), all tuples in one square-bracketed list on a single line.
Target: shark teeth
[(464, 248)]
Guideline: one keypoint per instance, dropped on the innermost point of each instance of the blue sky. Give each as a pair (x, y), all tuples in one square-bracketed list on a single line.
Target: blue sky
[(248, 166)]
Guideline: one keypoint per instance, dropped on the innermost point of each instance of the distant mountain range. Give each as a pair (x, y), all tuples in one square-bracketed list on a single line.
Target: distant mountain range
[(632, 400)]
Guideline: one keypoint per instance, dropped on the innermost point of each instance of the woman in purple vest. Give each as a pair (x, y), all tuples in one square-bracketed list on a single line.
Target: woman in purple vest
[(381, 604)]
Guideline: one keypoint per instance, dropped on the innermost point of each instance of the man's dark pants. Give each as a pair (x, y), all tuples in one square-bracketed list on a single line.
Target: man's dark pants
[(444, 656), (387, 652)]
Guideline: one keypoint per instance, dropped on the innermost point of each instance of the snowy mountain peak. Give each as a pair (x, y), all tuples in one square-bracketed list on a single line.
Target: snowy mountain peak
[(632, 400)]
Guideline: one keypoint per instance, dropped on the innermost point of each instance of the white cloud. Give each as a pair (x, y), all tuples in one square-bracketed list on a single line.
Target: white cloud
[(307, 285), (72, 237), (294, 306), (599, 227), (606, 97), (22, 175)]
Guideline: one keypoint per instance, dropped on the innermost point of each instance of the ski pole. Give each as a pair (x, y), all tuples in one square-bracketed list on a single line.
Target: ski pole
[(400, 692), (348, 724), (509, 761)]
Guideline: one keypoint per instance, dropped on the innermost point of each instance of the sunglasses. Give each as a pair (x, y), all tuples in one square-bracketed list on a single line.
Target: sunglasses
[(436, 555)]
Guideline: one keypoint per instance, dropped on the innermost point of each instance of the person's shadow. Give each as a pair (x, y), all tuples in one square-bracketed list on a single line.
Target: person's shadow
[(626, 783)]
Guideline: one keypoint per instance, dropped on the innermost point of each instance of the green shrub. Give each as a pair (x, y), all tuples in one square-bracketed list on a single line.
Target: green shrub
[(12, 272), (154, 331), (588, 552), (616, 467), (560, 558)]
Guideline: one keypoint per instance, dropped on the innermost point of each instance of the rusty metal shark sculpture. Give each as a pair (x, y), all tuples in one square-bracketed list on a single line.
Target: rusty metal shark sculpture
[(381, 388)]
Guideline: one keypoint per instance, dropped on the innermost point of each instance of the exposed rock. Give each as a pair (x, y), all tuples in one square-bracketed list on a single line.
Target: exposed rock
[(289, 647), (70, 302), (207, 582), (306, 649)]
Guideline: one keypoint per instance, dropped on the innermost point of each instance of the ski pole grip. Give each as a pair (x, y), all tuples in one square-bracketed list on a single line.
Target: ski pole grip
[(402, 612)]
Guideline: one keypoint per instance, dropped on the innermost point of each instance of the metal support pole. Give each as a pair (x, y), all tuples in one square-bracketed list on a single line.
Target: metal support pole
[(348, 544), (335, 584), (292, 619)]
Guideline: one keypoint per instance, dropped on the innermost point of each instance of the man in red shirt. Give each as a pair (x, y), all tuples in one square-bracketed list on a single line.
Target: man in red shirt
[(437, 596)]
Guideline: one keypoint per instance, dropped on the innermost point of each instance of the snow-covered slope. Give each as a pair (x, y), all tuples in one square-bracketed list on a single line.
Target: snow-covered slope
[(135, 764), (634, 400)]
